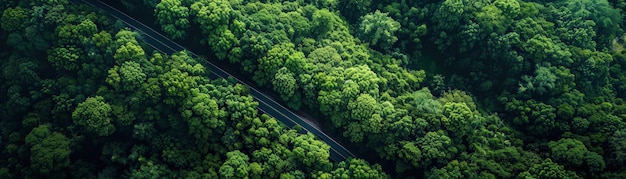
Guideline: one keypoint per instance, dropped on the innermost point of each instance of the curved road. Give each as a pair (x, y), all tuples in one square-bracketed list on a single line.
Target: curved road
[(266, 104)]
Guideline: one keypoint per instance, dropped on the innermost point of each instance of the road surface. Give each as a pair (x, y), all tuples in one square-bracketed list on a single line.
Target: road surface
[(267, 105)]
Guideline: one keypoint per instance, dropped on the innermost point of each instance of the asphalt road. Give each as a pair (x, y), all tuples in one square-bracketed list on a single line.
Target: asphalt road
[(266, 104)]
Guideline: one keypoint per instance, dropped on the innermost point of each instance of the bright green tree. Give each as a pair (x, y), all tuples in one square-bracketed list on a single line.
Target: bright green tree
[(235, 166), (131, 75), (285, 84), (358, 168), (379, 30), (323, 22), (173, 17), (131, 51), (456, 118), (202, 115)]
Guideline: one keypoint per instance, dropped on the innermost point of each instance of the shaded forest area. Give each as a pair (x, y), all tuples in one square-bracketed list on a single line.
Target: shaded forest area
[(428, 89)]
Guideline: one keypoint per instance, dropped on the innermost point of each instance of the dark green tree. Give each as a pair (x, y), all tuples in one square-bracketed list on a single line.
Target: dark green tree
[(94, 116), (49, 150)]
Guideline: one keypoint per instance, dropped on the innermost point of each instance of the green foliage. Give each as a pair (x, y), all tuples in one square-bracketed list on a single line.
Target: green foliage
[(568, 151), (285, 84), (76, 34), (102, 39), (131, 75), (235, 166), (547, 169), (49, 151), (357, 168), (379, 30), (454, 169), (353, 9), (323, 21), (543, 82), (14, 19), (313, 153), (214, 18), (514, 85), (434, 147), (94, 115), (173, 17), (536, 118), (273, 61), (150, 170), (365, 118), (131, 51), (69, 58), (573, 154), (201, 114), (456, 118), (602, 13)]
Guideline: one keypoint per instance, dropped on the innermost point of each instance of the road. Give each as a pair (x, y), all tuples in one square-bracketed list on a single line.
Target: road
[(267, 105)]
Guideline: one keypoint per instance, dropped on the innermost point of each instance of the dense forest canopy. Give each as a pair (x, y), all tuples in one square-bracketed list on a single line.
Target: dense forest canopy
[(420, 89)]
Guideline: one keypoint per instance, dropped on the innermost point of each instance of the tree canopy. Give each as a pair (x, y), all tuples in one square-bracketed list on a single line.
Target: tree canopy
[(418, 89)]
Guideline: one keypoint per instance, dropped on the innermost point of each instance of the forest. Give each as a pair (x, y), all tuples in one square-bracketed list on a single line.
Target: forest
[(417, 89)]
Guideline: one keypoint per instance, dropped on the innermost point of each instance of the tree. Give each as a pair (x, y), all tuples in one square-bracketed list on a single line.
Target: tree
[(66, 58), (454, 169), (379, 30), (144, 131), (131, 75), (14, 19), (457, 118), (602, 13), (285, 84), (538, 118), (358, 168), (492, 19), (94, 115), (410, 153), (365, 79), (313, 153), (542, 83), (323, 22), (177, 85), (131, 51), (211, 14), (173, 17), (202, 115), (70, 34), (570, 152), (235, 166), (435, 147), (353, 9), (102, 40), (363, 107), (548, 169), (221, 25), (542, 49), (325, 56), (49, 151), (150, 169), (594, 163), (273, 61), (617, 148)]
